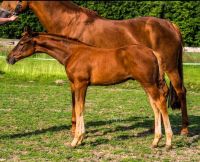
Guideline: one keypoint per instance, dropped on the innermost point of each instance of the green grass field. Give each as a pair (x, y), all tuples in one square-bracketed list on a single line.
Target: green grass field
[(35, 118)]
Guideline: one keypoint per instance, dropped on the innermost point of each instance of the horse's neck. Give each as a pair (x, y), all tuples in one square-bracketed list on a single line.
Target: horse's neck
[(59, 17), (60, 50)]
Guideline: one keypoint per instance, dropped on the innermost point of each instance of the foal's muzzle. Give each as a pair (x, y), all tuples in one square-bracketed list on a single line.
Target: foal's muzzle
[(11, 60)]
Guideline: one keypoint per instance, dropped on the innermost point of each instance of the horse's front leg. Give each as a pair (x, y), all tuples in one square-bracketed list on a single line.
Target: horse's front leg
[(79, 93)]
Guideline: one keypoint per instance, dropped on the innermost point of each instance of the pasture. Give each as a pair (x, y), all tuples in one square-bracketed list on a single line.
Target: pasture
[(34, 126)]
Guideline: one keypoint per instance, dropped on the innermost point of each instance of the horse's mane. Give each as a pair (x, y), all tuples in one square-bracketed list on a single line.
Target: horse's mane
[(90, 12), (77, 8)]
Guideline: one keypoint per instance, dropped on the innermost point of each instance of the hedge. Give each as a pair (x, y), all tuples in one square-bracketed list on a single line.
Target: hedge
[(185, 14)]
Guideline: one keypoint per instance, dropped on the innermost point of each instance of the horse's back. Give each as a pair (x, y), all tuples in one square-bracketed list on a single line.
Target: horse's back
[(117, 33)]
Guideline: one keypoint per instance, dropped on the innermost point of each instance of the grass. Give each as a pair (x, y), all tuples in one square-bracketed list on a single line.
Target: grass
[(35, 118), (33, 69)]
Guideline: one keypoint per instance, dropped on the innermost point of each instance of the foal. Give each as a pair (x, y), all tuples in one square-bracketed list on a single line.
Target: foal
[(86, 65)]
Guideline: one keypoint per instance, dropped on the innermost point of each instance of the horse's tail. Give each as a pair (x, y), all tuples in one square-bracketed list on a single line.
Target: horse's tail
[(173, 100)]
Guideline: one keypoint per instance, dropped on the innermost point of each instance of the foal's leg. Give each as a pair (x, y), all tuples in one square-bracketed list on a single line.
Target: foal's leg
[(73, 111), (162, 81), (165, 90), (161, 105), (80, 92), (158, 132), (159, 100), (181, 93)]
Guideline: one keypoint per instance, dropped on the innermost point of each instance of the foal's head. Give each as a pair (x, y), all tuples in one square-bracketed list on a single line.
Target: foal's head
[(25, 48)]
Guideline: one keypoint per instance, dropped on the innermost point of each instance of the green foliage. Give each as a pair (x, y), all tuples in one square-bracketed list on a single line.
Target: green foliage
[(185, 14)]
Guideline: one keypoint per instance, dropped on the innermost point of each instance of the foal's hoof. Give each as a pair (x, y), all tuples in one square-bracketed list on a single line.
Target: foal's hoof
[(168, 147), (74, 144), (156, 141), (184, 131), (77, 141)]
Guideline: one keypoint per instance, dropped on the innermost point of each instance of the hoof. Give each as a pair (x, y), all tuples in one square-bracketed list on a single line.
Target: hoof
[(156, 141), (168, 147), (77, 141), (184, 131), (74, 144)]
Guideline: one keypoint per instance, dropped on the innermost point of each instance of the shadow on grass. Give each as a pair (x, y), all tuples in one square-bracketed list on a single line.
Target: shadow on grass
[(194, 124), (2, 72), (36, 132), (147, 124), (136, 122)]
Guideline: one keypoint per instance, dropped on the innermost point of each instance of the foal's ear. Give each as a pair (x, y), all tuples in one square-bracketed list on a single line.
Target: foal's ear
[(28, 30)]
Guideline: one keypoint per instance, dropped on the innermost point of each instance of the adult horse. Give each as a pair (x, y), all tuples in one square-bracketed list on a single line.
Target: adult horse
[(67, 19), (86, 65)]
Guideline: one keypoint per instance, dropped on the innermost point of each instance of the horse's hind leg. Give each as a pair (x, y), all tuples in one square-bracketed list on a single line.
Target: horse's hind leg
[(159, 101), (181, 93)]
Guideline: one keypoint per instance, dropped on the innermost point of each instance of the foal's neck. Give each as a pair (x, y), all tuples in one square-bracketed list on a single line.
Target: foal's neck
[(57, 47)]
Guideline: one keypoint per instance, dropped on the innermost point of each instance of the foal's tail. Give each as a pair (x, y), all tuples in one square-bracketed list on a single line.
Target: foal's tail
[(173, 100)]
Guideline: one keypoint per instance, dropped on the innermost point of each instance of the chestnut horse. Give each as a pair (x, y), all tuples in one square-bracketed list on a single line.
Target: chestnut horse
[(86, 65), (67, 19)]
